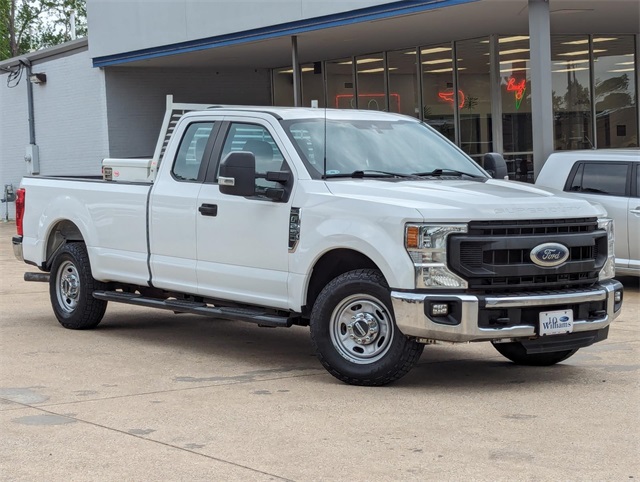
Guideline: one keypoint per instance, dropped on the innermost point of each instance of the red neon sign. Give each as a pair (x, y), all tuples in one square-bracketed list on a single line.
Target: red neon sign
[(448, 97), (394, 101), (518, 88)]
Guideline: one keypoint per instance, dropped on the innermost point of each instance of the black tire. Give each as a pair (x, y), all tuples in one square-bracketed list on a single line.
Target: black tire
[(352, 307), (71, 288), (517, 353)]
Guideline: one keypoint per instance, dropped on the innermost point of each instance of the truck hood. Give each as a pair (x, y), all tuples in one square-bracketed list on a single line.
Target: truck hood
[(467, 200)]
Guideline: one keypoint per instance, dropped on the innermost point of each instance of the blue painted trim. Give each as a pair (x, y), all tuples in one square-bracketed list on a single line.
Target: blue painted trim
[(378, 12)]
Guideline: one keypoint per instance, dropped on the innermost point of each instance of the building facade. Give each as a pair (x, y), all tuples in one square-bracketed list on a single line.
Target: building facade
[(520, 77)]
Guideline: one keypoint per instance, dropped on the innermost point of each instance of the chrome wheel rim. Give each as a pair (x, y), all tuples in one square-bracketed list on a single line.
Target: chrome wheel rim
[(361, 329), (68, 286)]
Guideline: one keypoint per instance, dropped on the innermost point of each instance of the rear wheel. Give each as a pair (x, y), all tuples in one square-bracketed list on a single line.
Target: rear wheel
[(517, 353), (354, 333), (71, 288)]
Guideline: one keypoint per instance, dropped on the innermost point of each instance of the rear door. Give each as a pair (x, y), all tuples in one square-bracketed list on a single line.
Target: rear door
[(243, 242), (634, 221), (607, 183), (174, 207)]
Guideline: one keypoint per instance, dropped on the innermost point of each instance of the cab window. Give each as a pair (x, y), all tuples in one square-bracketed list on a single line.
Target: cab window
[(257, 140), (189, 159), (607, 178)]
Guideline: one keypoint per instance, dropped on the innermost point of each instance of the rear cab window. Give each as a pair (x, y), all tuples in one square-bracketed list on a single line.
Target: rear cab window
[(188, 165), (599, 177)]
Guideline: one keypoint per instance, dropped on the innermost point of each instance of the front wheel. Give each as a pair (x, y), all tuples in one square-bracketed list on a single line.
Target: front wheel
[(71, 288), (517, 353), (354, 333)]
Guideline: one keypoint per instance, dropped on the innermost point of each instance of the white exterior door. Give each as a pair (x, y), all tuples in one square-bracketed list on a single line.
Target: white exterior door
[(242, 243)]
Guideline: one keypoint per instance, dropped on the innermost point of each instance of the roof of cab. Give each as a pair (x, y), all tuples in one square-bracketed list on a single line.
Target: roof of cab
[(292, 113), (630, 154)]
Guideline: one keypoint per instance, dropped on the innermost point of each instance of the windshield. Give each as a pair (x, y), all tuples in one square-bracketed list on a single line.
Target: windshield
[(378, 147)]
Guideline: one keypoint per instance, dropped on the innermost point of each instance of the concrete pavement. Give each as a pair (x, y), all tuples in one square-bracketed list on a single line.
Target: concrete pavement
[(150, 395)]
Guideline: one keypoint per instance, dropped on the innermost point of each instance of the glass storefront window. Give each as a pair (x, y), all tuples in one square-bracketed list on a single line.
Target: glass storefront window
[(403, 83), (615, 84), (515, 89), (437, 88), (312, 84), (283, 87), (340, 88), (474, 106), (370, 72), (571, 92)]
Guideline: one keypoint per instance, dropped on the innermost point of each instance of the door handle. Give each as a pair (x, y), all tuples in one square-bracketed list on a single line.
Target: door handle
[(636, 210), (208, 209)]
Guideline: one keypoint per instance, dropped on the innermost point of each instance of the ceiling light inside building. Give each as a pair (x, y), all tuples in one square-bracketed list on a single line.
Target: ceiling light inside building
[(571, 70), (626, 63), (586, 41), (622, 70), (437, 61), (360, 61), (379, 69), (572, 62), (513, 61), (581, 52), (290, 71), (506, 40), (434, 50), (519, 69), (439, 71)]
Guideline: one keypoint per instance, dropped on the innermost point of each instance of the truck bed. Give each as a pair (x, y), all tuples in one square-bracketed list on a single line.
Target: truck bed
[(112, 218)]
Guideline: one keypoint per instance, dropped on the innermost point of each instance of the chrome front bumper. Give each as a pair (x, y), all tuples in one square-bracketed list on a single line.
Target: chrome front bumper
[(17, 247), (409, 308)]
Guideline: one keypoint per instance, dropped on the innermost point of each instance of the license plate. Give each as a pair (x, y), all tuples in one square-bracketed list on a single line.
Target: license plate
[(556, 322)]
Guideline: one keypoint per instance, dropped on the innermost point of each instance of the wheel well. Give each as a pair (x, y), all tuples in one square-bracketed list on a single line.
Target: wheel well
[(330, 265), (63, 232)]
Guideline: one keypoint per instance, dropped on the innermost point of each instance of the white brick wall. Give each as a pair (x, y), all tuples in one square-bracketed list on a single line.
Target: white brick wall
[(70, 120), (14, 136)]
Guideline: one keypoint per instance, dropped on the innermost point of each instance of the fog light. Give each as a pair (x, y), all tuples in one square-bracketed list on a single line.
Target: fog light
[(617, 296), (439, 309)]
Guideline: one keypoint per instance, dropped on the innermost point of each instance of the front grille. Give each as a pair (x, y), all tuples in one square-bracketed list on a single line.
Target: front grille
[(533, 227), (496, 255)]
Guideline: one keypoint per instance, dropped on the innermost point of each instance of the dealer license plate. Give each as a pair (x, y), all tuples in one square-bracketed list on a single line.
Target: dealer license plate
[(556, 322)]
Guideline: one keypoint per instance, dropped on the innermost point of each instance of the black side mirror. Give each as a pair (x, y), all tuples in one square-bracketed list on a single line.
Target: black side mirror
[(238, 174), (495, 165)]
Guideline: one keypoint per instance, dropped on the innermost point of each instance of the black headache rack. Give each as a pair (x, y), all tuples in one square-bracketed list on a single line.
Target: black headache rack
[(495, 255)]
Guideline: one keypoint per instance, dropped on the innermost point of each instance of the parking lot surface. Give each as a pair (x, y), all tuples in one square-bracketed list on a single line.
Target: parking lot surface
[(150, 395)]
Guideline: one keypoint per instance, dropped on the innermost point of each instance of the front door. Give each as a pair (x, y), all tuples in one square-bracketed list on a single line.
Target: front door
[(242, 243)]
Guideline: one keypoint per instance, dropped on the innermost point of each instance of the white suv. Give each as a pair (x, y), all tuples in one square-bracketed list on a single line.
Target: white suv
[(610, 177)]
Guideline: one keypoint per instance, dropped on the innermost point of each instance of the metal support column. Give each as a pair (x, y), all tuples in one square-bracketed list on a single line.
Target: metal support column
[(541, 82), (592, 140), (297, 86), (637, 65), (496, 95), (456, 100)]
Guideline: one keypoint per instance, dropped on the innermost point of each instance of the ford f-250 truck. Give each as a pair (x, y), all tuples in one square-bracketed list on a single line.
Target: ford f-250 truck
[(369, 227)]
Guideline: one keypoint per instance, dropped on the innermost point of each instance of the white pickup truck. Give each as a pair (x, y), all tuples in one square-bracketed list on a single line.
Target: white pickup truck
[(388, 239)]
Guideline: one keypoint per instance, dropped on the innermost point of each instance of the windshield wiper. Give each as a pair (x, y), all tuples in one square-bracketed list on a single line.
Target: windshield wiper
[(371, 173), (445, 172)]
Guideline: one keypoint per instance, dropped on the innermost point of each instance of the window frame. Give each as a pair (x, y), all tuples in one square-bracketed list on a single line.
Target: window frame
[(206, 155), (211, 176), (579, 164)]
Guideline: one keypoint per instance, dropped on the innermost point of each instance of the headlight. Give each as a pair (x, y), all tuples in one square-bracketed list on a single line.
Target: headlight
[(608, 271), (427, 246)]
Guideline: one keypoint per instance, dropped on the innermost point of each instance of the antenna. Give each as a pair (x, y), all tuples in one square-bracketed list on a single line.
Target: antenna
[(324, 169)]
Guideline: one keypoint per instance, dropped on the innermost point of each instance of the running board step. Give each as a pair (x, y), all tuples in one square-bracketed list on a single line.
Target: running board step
[(252, 315)]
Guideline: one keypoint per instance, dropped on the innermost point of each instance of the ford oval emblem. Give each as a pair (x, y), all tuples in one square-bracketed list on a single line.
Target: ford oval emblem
[(548, 255), (564, 318)]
